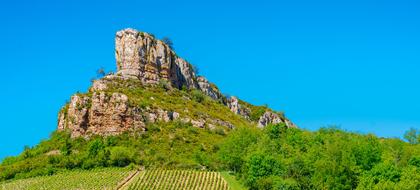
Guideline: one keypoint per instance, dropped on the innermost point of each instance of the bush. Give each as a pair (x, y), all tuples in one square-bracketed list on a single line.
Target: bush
[(168, 42), (274, 131), (220, 131), (198, 96), (257, 112), (164, 84), (121, 156), (95, 147)]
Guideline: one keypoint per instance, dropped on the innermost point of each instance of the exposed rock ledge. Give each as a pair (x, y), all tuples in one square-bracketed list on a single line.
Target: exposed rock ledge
[(272, 118)]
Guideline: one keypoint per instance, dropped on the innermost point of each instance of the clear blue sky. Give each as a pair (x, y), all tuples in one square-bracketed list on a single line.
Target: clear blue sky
[(351, 63)]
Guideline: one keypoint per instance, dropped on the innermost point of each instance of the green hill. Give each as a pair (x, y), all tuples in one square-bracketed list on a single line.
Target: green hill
[(157, 115)]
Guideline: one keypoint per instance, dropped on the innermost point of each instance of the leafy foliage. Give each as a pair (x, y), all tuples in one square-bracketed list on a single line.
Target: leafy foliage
[(280, 158), (412, 136)]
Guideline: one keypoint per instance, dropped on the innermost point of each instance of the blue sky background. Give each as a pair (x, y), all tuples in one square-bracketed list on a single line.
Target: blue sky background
[(351, 63)]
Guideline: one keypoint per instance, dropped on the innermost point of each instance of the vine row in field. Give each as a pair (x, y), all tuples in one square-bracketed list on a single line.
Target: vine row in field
[(159, 179)]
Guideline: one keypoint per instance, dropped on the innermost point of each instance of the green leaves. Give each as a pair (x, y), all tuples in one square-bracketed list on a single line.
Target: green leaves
[(281, 158), (412, 136), (234, 149), (121, 156)]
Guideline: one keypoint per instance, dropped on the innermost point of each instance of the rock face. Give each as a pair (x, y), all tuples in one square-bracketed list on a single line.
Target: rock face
[(272, 118), (235, 107), (75, 116), (100, 114), (140, 55), (208, 89)]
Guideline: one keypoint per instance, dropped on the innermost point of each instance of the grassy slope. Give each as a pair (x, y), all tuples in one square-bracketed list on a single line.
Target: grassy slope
[(164, 145), (181, 101), (231, 180)]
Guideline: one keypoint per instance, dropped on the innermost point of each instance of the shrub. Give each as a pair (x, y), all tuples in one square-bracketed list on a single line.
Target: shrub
[(95, 147), (100, 72), (168, 42), (257, 112), (198, 96), (164, 84), (121, 156), (220, 131)]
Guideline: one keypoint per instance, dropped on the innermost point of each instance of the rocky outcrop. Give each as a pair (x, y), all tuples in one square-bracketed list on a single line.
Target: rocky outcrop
[(235, 107), (75, 116), (140, 55), (144, 60), (272, 118), (100, 114), (208, 88), (110, 114)]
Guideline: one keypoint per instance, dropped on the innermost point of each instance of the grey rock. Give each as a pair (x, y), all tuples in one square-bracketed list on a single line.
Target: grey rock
[(272, 118), (140, 55), (235, 107), (200, 123), (208, 89)]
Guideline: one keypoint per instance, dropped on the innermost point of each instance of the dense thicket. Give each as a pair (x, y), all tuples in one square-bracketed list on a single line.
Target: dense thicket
[(280, 158)]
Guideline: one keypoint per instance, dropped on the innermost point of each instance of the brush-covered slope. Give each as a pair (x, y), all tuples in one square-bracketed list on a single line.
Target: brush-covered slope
[(155, 111)]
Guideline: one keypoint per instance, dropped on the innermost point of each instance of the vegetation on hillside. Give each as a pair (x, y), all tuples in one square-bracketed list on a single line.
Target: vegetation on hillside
[(188, 103), (271, 158), (280, 158), (163, 145)]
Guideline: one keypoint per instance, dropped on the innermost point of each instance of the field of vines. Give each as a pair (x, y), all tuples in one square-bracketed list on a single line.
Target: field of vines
[(108, 178), (177, 180)]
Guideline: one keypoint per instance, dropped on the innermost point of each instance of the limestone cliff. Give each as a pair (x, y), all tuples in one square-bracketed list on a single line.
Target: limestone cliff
[(144, 62), (141, 56)]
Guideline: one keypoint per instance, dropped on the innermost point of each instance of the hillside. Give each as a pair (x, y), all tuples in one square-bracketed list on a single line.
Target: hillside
[(155, 117), (152, 84), (154, 111)]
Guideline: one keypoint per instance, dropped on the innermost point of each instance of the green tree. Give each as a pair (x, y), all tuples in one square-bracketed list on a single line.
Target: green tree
[(259, 166), (274, 131), (382, 176), (66, 148), (412, 136), (95, 147), (235, 147)]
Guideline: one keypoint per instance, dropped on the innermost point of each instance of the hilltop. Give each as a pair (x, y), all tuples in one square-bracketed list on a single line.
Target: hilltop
[(152, 84)]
